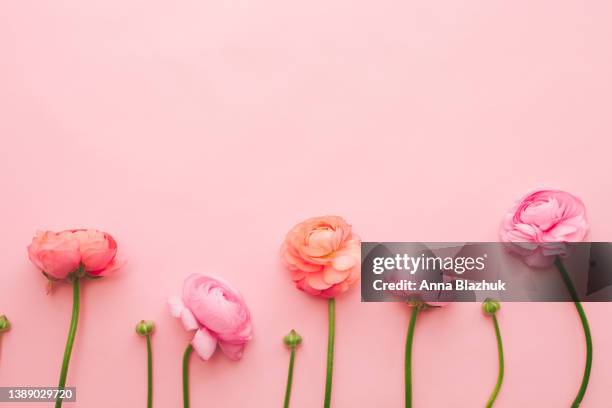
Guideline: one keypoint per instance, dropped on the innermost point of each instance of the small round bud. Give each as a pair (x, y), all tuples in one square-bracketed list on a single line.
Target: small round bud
[(293, 339), (145, 327), (490, 306), (5, 325)]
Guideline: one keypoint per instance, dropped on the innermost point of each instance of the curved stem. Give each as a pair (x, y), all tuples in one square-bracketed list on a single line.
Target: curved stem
[(76, 298), (500, 374), (149, 373), (587, 332), (289, 378), (186, 356), (331, 303), (408, 357)]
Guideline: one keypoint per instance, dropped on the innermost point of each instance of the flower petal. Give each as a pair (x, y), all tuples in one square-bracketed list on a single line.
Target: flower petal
[(180, 311), (188, 319), (176, 306), (232, 351), (316, 281), (204, 343), (332, 275), (344, 262)]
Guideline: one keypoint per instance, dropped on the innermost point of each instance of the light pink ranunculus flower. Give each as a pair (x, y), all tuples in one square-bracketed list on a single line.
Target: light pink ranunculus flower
[(58, 254), (323, 256), (217, 313), (55, 253), (541, 223)]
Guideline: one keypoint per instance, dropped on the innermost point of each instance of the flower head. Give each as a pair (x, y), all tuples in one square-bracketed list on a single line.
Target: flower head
[(145, 327), (72, 253), (217, 313), (293, 339), (5, 325), (490, 306), (540, 224), (323, 256)]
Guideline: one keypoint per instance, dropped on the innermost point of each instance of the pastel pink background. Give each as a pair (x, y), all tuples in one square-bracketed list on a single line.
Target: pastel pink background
[(198, 132)]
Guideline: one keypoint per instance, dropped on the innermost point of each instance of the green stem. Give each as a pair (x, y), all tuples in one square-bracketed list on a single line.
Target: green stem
[(149, 373), (331, 303), (587, 332), (408, 357), (289, 378), (186, 356), (70, 341), (500, 374)]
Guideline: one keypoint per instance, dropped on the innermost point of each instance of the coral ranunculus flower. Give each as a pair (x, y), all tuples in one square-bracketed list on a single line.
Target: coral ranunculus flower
[(55, 253), (59, 254), (539, 225), (323, 256), (98, 252), (70, 256)]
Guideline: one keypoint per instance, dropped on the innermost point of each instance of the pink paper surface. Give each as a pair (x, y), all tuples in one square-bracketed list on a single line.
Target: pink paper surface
[(199, 132)]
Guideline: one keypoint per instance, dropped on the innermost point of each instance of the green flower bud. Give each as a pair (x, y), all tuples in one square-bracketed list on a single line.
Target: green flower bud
[(5, 325), (145, 327), (293, 339), (490, 306)]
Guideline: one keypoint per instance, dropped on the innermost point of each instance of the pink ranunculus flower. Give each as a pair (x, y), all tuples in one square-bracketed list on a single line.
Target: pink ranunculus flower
[(540, 224), (323, 256), (58, 254), (217, 313)]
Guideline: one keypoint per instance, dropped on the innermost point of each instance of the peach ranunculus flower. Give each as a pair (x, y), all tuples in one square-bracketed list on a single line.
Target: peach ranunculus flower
[(60, 254), (217, 313), (539, 225), (323, 256)]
